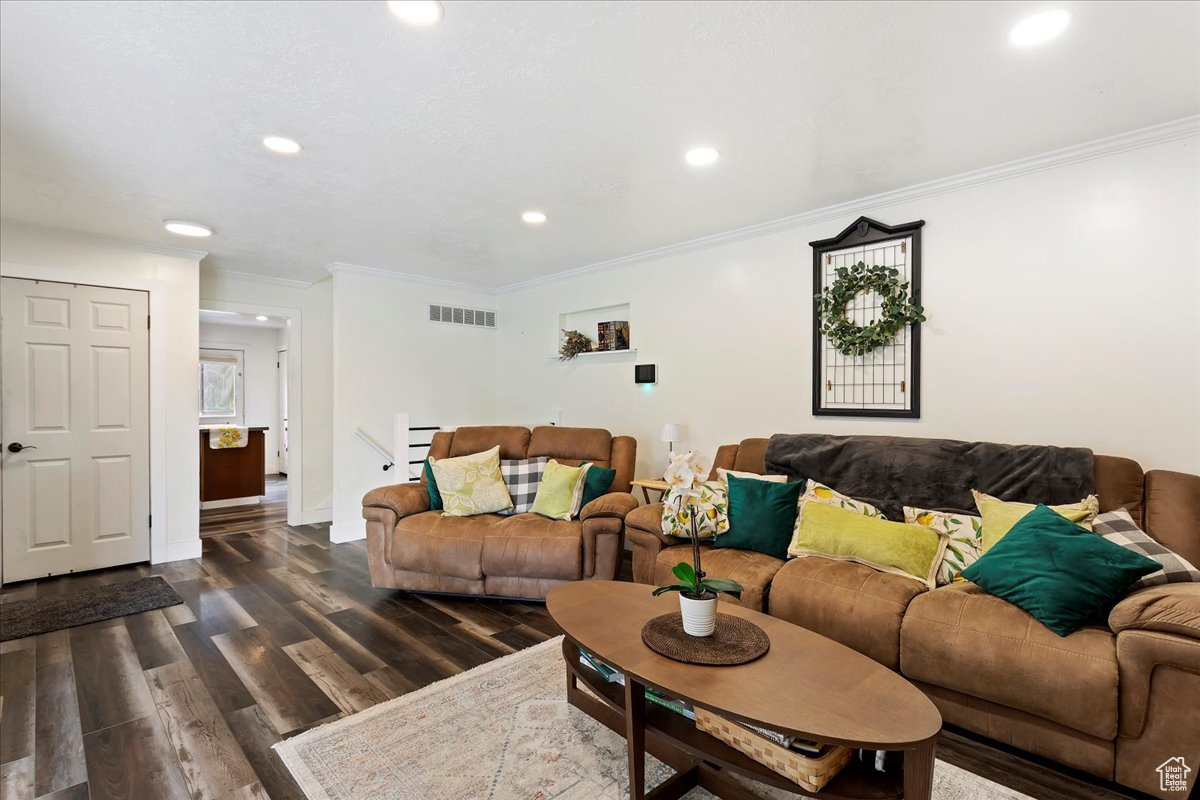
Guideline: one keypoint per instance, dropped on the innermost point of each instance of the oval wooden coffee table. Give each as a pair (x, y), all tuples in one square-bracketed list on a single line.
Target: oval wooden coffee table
[(806, 686)]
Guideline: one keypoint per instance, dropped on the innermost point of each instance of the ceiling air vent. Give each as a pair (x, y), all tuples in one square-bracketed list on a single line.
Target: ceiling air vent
[(456, 315)]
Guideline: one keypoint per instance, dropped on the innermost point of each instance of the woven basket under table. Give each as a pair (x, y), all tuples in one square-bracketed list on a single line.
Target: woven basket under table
[(811, 772)]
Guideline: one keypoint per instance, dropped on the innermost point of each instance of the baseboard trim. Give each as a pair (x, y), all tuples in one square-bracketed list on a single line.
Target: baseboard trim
[(205, 505), (178, 551), (314, 515), (348, 532)]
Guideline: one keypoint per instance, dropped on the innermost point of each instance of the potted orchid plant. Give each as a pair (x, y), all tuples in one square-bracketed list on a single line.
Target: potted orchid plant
[(697, 592)]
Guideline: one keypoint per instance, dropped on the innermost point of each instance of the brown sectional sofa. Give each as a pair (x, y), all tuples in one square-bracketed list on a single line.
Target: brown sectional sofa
[(524, 555), (1113, 700)]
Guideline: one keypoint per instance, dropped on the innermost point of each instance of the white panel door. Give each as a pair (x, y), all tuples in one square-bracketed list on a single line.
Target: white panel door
[(76, 430)]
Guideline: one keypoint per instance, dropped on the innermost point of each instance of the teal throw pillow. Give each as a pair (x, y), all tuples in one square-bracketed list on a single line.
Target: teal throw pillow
[(1062, 574), (761, 515), (435, 497), (596, 483)]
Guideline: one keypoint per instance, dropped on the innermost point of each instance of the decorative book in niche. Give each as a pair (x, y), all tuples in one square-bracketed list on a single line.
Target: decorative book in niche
[(612, 335)]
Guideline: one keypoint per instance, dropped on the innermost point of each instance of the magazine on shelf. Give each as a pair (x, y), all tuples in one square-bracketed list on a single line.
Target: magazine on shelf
[(783, 740), (652, 695)]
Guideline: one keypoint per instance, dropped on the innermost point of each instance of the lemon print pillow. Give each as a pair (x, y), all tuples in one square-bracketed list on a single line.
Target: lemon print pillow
[(964, 538), (711, 510)]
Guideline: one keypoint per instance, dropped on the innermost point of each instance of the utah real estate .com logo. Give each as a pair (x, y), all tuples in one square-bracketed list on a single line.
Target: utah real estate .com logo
[(1173, 775)]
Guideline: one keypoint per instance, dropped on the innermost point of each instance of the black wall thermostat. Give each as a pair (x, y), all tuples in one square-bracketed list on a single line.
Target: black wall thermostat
[(645, 373)]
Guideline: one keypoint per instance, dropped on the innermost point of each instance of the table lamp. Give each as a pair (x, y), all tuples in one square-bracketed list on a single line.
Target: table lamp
[(670, 434)]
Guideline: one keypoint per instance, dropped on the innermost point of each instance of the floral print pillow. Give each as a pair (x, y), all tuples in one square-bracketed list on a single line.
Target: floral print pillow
[(964, 543), (712, 513), (472, 484)]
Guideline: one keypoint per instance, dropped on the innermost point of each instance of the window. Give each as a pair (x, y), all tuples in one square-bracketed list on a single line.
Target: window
[(221, 392)]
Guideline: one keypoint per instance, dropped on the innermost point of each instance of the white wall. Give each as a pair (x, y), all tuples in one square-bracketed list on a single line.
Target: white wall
[(312, 456), (171, 279), (1062, 309), (260, 379), (388, 357)]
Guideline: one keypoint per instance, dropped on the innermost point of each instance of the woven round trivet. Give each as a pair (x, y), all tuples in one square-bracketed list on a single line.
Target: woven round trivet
[(735, 641)]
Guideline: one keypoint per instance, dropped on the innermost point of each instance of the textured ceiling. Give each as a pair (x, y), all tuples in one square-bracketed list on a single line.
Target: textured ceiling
[(422, 147)]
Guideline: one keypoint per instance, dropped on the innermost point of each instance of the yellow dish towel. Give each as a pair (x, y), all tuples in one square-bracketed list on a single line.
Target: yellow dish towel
[(226, 436)]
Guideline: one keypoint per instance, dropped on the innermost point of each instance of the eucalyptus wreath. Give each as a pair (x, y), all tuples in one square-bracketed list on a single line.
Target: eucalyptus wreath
[(897, 308)]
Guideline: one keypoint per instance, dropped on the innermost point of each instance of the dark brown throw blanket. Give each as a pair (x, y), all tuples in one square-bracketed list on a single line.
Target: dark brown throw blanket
[(895, 471)]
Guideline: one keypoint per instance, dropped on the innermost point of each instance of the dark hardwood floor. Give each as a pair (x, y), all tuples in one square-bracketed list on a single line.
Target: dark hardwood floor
[(280, 631)]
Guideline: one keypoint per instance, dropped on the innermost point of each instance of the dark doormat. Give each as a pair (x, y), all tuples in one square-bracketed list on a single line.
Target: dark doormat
[(22, 618)]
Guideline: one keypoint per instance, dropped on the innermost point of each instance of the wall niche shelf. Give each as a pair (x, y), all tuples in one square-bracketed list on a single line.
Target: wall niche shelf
[(600, 355), (586, 321)]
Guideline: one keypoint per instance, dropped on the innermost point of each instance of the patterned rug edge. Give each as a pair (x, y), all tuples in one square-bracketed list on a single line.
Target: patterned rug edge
[(288, 752)]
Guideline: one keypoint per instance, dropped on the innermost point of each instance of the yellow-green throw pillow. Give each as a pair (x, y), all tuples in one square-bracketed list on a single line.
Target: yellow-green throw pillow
[(912, 551), (560, 492), (999, 516), (472, 484)]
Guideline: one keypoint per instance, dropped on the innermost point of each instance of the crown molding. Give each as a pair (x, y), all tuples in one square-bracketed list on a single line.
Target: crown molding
[(1112, 145), (250, 276), (109, 241), (340, 268)]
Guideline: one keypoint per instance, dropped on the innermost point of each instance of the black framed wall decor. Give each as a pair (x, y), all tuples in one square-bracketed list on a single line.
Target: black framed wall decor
[(884, 381)]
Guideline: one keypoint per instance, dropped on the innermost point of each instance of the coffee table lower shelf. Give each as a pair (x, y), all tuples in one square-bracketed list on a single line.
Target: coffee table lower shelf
[(698, 758)]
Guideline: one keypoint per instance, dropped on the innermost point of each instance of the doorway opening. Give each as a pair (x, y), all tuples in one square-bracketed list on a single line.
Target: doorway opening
[(249, 450)]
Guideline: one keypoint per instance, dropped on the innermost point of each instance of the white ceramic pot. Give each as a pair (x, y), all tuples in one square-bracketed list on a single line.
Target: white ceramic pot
[(699, 616)]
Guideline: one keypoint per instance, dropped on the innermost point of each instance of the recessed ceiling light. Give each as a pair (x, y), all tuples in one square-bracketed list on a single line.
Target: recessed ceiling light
[(281, 144), (181, 227), (702, 156), (1039, 28), (416, 12), (534, 217), (262, 318)]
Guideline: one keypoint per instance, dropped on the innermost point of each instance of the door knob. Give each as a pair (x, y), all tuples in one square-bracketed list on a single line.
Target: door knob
[(17, 447)]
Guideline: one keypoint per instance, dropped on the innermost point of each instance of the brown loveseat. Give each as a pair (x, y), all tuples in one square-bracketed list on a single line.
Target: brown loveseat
[(1114, 700), (524, 555)]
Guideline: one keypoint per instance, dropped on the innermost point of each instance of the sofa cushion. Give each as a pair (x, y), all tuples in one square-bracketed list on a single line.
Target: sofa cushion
[(858, 606), (431, 543), (753, 571), (572, 445), (961, 638), (532, 546), (513, 441)]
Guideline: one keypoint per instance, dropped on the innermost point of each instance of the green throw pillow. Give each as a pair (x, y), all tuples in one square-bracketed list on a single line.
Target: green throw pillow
[(761, 515), (1060, 573), (843, 534), (560, 492), (597, 482), (435, 497)]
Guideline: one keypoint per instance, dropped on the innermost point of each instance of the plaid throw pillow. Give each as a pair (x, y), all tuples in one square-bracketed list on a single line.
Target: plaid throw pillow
[(522, 476), (1119, 528)]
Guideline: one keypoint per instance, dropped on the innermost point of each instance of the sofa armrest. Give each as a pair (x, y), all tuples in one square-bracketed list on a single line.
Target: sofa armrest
[(614, 504), (1168, 608), (643, 528), (405, 499)]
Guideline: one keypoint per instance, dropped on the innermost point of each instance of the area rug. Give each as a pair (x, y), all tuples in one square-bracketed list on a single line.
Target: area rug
[(502, 731), (21, 618)]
